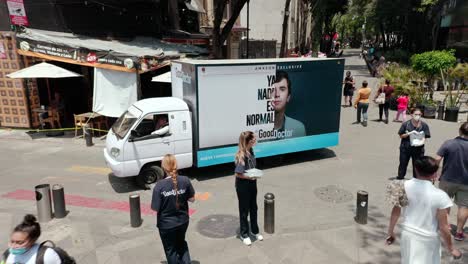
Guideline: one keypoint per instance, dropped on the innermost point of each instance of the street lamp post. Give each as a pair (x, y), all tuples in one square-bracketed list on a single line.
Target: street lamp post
[(248, 28)]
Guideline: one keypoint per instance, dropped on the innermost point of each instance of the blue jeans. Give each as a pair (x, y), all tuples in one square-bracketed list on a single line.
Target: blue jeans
[(362, 107)]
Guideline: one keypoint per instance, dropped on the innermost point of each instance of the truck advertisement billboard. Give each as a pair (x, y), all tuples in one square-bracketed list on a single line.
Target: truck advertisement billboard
[(291, 105)]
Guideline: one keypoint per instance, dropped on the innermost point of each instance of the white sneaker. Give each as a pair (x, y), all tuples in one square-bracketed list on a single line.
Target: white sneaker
[(259, 237), (246, 241)]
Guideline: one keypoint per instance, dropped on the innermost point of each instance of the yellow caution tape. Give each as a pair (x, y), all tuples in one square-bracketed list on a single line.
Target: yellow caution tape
[(52, 129)]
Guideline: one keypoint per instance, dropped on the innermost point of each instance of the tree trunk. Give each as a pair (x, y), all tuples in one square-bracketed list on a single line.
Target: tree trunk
[(285, 29), (382, 32), (219, 36), (173, 11)]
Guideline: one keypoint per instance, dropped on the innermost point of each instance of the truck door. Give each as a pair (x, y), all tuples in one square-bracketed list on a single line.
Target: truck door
[(151, 139)]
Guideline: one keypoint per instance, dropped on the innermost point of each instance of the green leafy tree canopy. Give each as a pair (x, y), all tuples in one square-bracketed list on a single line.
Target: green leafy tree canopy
[(432, 62)]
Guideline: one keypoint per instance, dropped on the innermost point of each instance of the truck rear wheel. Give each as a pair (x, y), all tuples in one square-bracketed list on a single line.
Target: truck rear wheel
[(149, 175)]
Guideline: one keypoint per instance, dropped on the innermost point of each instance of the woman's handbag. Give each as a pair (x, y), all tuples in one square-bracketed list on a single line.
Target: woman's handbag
[(381, 98), (253, 172)]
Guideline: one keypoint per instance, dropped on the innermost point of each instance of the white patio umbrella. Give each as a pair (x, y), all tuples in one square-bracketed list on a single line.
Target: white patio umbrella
[(165, 77), (43, 70)]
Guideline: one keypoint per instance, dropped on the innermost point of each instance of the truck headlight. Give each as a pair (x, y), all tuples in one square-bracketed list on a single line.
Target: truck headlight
[(115, 152)]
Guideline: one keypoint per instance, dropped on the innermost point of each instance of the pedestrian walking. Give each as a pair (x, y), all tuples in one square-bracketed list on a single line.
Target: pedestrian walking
[(413, 134), (246, 188), (402, 107), (382, 98), (170, 200), (454, 178), (23, 246), (348, 89), (362, 103), (424, 209)]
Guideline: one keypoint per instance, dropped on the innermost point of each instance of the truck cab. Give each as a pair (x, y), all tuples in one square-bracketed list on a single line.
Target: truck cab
[(148, 130)]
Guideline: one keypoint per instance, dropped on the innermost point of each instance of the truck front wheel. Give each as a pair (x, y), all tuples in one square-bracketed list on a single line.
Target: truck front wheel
[(149, 175)]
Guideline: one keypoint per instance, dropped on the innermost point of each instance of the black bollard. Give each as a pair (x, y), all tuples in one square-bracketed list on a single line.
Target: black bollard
[(58, 195), (87, 135), (440, 111), (361, 207), (43, 202), (269, 217), (135, 212)]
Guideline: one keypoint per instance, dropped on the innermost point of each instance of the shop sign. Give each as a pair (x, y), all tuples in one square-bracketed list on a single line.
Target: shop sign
[(91, 57), (17, 12), (48, 49)]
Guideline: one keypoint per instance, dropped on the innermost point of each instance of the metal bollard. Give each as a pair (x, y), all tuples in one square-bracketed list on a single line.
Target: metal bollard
[(43, 202), (361, 207), (269, 217), (440, 111), (135, 212), (58, 195), (87, 135)]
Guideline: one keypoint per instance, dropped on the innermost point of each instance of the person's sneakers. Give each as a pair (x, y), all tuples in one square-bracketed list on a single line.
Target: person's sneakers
[(364, 123), (386, 121), (246, 241), (459, 236), (259, 237)]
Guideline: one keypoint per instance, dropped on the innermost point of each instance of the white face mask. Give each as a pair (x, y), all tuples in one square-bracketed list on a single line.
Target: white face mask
[(416, 117)]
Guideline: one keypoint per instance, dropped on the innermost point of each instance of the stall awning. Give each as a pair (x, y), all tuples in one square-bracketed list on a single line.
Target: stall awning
[(140, 53), (195, 5)]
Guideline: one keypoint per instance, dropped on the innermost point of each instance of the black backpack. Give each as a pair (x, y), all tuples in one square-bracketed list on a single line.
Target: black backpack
[(64, 257)]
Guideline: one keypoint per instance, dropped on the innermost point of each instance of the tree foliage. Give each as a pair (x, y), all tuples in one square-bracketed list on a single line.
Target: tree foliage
[(432, 62)]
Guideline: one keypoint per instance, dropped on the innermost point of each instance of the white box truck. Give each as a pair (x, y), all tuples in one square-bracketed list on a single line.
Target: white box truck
[(291, 105)]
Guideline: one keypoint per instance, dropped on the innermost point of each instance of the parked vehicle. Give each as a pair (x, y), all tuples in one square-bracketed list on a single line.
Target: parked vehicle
[(290, 104)]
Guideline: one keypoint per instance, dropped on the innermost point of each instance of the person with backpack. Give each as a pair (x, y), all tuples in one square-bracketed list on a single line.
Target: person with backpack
[(23, 246), (170, 200)]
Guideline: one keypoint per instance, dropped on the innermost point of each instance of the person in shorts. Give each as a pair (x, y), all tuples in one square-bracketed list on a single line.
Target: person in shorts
[(454, 178)]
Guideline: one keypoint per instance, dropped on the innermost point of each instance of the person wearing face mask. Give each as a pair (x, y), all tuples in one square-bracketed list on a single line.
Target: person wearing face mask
[(23, 247), (413, 134)]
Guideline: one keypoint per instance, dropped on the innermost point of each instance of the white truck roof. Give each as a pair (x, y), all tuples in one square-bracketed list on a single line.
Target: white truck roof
[(271, 60), (161, 104)]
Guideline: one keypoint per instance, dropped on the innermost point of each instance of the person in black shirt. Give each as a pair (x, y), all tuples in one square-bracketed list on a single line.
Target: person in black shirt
[(246, 187), (348, 89), (170, 200), (413, 134)]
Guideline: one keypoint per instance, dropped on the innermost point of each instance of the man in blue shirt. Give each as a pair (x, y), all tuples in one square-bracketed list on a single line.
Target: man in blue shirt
[(454, 179)]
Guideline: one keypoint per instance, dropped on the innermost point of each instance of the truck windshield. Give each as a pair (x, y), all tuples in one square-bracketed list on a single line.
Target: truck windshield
[(123, 124)]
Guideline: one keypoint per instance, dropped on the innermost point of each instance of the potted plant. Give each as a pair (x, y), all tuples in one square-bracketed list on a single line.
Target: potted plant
[(453, 98), (430, 108)]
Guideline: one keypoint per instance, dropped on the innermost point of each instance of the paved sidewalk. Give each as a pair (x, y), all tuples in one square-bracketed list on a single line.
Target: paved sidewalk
[(315, 198)]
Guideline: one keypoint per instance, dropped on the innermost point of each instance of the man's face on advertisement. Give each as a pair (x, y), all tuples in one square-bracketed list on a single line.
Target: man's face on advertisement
[(281, 95)]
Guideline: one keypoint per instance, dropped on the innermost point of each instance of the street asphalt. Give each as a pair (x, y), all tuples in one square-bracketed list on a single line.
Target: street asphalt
[(315, 198)]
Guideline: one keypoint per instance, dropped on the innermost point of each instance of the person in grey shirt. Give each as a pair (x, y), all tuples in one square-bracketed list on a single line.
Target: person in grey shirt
[(282, 96), (454, 179)]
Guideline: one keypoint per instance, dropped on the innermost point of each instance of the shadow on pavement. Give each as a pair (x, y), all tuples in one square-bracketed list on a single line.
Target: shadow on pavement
[(123, 185), (371, 239), (227, 169)]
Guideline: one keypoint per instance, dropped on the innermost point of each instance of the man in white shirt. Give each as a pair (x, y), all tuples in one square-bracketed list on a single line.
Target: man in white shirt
[(425, 217)]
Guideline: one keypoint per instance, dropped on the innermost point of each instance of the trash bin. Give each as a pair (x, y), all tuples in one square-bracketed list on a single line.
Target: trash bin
[(43, 202)]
